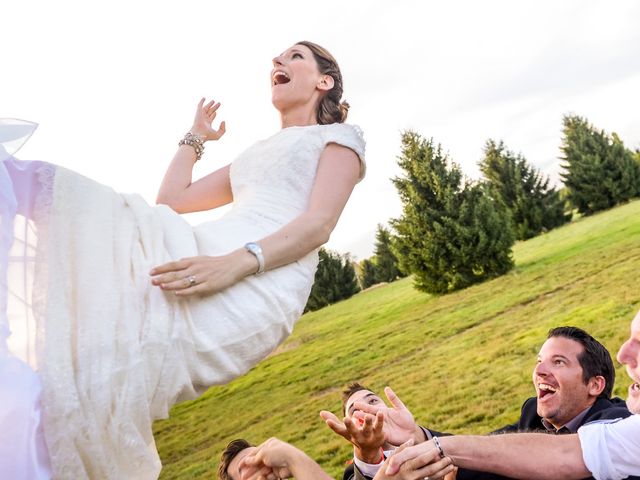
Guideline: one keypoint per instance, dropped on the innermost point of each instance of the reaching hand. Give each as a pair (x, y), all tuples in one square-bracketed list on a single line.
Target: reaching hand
[(205, 114), (399, 425), (417, 462), (197, 275), (366, 435), (275, 459)]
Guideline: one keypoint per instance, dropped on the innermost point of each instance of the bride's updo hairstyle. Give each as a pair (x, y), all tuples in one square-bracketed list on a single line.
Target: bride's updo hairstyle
[(330, 108)]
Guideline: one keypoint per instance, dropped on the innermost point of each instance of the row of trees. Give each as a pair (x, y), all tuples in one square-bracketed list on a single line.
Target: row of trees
[(454, 232), (338, 277), (600, 172)]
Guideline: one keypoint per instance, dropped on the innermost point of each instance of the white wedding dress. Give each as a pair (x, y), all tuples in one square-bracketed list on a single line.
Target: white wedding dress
[(113, 352)]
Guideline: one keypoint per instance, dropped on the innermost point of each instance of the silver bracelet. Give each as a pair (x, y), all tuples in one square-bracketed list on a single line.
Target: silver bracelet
[(194, 141), (436, 442), (255, 250)]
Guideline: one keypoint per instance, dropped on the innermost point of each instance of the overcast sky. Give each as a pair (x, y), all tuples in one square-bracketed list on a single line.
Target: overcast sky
[(114, 84)]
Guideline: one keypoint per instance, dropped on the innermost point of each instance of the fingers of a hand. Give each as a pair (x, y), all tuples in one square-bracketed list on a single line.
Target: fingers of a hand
[(178, 279), (201, 103), (337, 427), (405, 452), (247, 470), (433, 470), (394, 399), (368, 422), (325, 415), (365, 407), (171, 267), (379, 422), (249, 460), (220, 131), (351, 426), (282, 472), (212, 106), (453, 474), (258, 474), (333, 422), (198, 289)]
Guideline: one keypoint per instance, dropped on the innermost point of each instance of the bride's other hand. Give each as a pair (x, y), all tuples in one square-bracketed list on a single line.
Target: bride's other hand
[(205, 114), (204, 275)]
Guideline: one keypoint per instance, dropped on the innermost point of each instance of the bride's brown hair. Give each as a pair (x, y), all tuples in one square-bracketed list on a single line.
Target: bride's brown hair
[(330, 109)]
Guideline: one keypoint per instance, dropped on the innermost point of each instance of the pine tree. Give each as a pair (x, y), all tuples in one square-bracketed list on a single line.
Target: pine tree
[(335, 280), (523, 190), (386, 262), (368, 269), (599, 171), (451, 234)]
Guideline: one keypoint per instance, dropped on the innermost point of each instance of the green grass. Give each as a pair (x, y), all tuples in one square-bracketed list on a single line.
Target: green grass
[(461, 362)]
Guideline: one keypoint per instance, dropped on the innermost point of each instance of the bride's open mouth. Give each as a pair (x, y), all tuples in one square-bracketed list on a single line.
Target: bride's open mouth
[(280, 78)]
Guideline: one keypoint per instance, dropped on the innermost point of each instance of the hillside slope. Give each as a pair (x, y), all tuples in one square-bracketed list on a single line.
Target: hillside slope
[(462, 362)]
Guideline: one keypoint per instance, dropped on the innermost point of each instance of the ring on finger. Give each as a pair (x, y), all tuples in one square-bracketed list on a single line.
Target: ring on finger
[(191, 279)]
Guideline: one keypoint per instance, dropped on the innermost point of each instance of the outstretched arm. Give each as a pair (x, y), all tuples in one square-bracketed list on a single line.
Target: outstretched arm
[(338, 172), (177, 190), (522, 455)]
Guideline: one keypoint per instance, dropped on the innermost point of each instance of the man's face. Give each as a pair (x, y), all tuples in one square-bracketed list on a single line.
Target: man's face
[(232, 469), (557, 378), (364, 396), (629, 355)]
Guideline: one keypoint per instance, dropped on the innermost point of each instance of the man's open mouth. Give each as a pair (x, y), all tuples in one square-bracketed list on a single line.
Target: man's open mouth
[(545, 390)]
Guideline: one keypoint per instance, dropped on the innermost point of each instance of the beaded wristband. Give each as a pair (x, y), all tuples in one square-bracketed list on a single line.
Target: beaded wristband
[(195, 142), (436, 442)]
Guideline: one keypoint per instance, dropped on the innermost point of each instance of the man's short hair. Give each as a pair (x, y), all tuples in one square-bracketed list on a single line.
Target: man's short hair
[(595, 360), (229, 453), (350, 390)]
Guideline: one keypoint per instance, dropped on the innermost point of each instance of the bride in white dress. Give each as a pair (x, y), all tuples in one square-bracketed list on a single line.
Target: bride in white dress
[(123, 330)]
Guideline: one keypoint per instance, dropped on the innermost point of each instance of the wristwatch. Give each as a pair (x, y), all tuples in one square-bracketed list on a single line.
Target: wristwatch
[(255, 250)]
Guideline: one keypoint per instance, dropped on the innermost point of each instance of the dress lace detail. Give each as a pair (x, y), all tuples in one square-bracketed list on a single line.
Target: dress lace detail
[(115, 353)]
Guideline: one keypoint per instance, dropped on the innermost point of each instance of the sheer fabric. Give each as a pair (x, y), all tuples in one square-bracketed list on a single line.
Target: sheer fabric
[(23, 452), (115, 353)]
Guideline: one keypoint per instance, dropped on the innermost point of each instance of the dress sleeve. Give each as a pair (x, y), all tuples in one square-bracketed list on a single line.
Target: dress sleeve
[(611, 450), (349, 136)]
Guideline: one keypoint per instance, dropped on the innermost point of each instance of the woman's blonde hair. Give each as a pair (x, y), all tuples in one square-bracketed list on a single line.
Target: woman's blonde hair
[(330, 109)]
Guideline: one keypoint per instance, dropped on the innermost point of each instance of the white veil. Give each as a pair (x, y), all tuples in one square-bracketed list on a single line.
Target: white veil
[(23, 453), (14, 134)]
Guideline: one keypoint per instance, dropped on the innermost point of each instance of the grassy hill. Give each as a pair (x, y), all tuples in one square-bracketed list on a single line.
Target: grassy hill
[(461, 363)]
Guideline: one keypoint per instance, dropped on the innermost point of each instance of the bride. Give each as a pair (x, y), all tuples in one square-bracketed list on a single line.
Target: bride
[(135, 310)]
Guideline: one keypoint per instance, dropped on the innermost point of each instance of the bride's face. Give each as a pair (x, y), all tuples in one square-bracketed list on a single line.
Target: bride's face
[(295, 78)]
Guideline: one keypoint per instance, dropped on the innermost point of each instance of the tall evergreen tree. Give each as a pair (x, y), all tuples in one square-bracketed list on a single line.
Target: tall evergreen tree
[(599, 171), (386, 262), (451, 234), (335, 280), (523, 190), (368, 269)]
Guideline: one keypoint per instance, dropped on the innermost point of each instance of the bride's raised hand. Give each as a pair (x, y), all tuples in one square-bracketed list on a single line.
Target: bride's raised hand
[(202, 122)]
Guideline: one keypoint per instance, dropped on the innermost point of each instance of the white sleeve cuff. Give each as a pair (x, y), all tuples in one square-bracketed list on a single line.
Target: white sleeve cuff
[(368, 469)]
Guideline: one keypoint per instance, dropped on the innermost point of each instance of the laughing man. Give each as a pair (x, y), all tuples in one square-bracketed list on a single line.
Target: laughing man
[(573, 380)]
